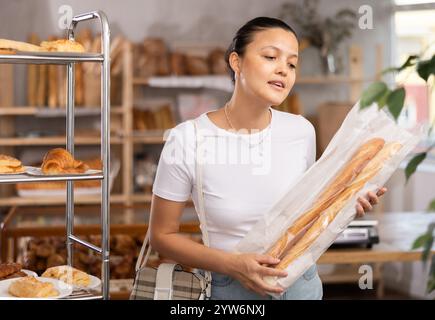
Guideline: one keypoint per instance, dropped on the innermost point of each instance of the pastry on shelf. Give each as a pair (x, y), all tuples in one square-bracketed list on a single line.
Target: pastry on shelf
[(9, 164), (60, 161), (68, 275), (30, 287), (62, 45), (8, 269)]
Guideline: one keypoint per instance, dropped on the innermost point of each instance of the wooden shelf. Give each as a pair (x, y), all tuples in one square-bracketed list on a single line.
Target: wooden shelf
[(146, 198), (219, 82), (45, 141), (151, 139), (46, 112), (329, 80), (31, 201), (346, 274)]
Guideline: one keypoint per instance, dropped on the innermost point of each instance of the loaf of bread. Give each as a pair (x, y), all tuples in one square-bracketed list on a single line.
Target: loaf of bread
[(372, 168), (60, 161), (346, 176), (30, 287)]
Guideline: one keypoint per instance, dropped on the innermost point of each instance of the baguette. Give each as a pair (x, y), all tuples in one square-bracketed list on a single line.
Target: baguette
[(52, 83), (374, 166), (355, 165), (19, 46), (32, 76)]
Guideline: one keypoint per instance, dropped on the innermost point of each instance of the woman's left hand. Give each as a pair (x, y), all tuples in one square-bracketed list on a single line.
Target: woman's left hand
[(366, 204)]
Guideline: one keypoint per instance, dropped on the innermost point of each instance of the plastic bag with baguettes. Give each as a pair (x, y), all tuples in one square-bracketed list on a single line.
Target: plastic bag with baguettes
[(361, 157)]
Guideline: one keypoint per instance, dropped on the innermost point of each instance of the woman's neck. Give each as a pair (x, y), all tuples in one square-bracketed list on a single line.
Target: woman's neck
[(248, 114)]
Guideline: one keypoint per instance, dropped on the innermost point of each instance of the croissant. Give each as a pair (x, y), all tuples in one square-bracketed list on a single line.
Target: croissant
[(373, 167), (357, 163), (59, 160)]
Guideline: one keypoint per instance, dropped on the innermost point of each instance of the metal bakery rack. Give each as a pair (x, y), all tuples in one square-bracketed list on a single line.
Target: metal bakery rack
[(69, 60)]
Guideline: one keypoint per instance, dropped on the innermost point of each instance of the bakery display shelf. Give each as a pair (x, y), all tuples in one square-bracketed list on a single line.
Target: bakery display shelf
[(45, 112), (54, 140), (69, 60)]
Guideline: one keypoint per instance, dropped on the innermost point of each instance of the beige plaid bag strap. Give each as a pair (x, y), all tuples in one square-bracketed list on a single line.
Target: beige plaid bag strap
[(200, 194)]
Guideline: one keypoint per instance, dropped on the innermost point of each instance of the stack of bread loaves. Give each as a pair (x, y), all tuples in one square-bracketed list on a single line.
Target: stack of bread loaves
[(363, 154)]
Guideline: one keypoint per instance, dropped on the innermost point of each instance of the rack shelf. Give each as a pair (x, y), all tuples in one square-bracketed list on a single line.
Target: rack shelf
[(50, 57), (46, 141), (69, 60), (24, 178), (44, 112), (79, 199)]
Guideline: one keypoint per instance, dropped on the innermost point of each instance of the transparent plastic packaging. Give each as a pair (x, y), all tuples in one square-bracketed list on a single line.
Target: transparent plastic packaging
[(361, 157)]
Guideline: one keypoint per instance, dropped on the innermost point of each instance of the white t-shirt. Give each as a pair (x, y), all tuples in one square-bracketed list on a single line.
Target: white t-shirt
[(244, 175)]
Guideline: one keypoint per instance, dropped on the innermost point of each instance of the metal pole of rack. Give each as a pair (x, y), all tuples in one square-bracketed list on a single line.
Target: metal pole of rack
[(105, 138), (105, 149), (70, 148)]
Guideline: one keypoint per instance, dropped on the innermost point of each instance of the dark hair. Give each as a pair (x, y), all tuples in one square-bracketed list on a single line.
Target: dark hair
[(246, 33)]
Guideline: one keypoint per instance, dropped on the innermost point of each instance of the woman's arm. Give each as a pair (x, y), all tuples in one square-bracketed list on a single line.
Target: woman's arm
[(165, 238)]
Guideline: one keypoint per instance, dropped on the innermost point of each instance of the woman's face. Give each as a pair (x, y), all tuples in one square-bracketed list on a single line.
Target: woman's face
[(267, 69)]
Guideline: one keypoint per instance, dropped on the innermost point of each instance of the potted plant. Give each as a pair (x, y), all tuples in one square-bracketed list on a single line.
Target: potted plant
[(325, 34)]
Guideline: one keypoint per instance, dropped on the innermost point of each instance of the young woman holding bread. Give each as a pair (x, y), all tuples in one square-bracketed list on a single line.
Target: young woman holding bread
[(262, 59)]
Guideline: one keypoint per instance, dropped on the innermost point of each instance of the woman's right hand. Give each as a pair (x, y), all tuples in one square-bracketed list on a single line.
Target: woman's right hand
[(249, 270)]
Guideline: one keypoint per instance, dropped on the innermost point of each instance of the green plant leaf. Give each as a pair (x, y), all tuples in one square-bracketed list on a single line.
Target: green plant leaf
[(431, 280), (413, 164), (420, 241), (427, 248), (382, 101), (412, 59), (426, 67), (374, 92), (395, 101), (431, 206)]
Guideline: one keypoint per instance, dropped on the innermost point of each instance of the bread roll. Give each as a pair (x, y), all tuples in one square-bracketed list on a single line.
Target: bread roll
[(30, 287), (345, 176), (62, 45), (372, 168)]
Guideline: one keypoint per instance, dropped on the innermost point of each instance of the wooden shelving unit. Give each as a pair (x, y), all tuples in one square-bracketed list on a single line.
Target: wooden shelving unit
[(126, 138)]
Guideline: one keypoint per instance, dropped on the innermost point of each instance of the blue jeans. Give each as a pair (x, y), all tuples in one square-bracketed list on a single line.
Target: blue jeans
[(307, 287)]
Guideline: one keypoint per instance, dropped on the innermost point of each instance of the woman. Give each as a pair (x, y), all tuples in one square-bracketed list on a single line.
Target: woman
[(239, 189)]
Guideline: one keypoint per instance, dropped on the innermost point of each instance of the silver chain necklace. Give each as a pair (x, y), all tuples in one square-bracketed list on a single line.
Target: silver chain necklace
[(262, 134)]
